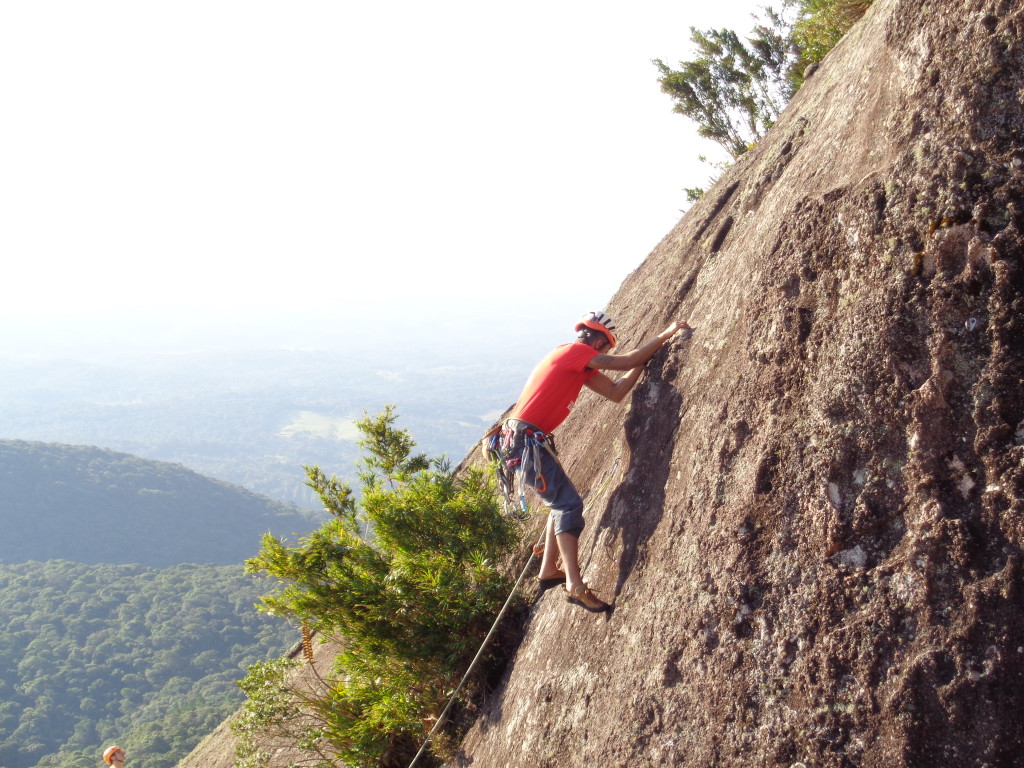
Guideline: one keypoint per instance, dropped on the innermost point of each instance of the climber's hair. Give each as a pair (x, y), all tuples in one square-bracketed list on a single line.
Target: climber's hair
[(589, 335)]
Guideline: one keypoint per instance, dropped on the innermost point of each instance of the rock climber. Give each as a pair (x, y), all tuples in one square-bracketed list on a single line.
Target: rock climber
[(114, 756), (545, 402)]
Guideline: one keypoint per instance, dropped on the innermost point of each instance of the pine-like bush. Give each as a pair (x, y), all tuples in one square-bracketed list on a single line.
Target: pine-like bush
[(406, 578)]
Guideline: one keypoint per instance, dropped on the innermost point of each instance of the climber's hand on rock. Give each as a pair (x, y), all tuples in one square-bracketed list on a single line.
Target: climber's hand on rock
[(676, 327)]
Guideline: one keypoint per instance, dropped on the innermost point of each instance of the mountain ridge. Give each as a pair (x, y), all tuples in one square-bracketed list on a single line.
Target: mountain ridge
[(92, 505)]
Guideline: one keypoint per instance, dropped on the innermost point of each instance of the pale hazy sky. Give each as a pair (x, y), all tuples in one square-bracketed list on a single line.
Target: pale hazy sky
[(174, 157)]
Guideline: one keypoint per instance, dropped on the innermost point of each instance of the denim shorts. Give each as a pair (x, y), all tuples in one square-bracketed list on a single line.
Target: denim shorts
[(558, 492)]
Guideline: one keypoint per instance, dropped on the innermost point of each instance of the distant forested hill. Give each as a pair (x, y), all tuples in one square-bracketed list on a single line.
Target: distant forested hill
[(91, 505), (142, 657)]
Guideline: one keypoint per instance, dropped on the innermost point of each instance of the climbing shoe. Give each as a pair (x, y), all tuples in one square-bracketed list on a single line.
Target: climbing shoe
[(582, 596)]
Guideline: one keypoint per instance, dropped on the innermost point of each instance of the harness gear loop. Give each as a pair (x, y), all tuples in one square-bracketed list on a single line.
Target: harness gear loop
[(521, 446), (515, 452), (495, 451)]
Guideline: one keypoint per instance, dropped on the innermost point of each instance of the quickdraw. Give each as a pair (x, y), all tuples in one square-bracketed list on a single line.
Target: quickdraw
[(515, 452)]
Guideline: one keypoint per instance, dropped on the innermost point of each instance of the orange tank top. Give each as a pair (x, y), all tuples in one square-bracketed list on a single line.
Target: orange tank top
[(554, 385)]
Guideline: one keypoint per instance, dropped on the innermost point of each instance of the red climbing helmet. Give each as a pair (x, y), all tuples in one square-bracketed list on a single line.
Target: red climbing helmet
[(599, 321)]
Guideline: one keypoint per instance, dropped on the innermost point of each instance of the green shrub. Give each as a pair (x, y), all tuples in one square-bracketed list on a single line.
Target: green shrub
[(736, 88), (406, 579), (822, 24)]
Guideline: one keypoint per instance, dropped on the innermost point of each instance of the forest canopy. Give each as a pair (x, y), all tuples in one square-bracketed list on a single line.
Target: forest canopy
[(144, 657)]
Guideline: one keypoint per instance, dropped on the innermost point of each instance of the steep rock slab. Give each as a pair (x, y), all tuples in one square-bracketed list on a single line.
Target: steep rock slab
[(813, 526)]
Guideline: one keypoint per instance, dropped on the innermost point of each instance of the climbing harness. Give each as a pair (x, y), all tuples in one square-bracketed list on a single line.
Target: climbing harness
[(515, 452), (504, 476)]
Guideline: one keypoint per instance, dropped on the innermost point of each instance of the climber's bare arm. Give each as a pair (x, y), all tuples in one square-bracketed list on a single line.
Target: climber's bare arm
[(637, 357), (615, 391)]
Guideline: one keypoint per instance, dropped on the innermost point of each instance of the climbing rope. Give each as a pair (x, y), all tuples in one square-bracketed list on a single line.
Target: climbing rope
[(536, 550), (479, 653)]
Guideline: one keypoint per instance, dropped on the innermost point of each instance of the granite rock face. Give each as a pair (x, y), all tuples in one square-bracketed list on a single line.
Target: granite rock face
[(810, 515)]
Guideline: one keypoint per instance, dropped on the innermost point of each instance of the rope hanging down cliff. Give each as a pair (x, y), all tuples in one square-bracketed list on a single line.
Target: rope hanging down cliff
[(535, 550)]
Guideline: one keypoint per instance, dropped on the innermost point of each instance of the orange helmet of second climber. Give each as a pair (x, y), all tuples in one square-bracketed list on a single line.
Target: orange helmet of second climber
[(108, 754), (598, 321)]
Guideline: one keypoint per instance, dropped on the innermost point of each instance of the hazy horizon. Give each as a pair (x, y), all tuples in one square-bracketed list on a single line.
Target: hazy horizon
[(332, 160), (428, 197)]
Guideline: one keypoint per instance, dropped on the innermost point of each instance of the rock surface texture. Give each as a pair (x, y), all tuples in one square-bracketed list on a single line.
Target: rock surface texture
[(812, 530)]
